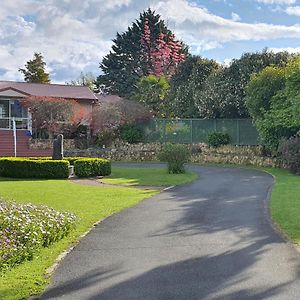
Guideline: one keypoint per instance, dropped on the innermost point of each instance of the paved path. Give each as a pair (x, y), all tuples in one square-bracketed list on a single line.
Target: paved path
[(207, 240)]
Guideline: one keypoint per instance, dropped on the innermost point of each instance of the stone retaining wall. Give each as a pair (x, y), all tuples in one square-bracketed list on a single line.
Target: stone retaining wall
[(201, 153)]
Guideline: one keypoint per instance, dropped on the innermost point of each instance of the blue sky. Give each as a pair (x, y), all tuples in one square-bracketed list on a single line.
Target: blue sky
[(74, 35)]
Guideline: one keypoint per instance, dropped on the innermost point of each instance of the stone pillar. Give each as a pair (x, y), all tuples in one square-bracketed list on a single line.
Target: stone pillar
[(58, 147)]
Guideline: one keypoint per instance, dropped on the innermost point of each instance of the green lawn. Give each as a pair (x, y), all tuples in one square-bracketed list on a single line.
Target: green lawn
[(285, 203), (147, 177), (89, 203)]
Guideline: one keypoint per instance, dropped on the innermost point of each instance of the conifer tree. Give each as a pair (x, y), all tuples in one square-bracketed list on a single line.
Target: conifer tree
[(126, 63), (34, 70)]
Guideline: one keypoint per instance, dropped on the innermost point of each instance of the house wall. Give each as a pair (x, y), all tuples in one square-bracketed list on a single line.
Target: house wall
[(87, 109)]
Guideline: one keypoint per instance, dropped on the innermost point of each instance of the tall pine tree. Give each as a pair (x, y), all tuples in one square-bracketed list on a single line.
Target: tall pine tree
[(34, 70), (126, 63)]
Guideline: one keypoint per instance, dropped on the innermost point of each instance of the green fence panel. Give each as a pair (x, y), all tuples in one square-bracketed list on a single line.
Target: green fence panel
[(187, 131)]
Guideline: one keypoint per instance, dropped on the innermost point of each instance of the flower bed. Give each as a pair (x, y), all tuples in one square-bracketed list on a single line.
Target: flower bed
[(25, 228)]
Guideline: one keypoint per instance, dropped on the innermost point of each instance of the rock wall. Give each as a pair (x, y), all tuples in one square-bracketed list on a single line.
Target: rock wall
[(201, 153)]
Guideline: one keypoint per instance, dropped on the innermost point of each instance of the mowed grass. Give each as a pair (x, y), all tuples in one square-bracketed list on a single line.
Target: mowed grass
[(147, 177), (285, 203), (89, 203)]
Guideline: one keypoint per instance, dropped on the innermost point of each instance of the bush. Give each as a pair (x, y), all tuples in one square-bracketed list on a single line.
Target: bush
[(24, 228), (176, 156), (33, 168), (217, 139), (289, 150), (131, 133), (72, 160), (90, 167)]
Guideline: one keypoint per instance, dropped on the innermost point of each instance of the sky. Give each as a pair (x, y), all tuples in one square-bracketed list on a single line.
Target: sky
[(74, 35)]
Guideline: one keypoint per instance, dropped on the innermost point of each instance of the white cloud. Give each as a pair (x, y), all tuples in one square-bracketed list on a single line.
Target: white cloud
[(203, 25), (293, 10), (74, 35), (288, 49), (235, 17), (284, 2)]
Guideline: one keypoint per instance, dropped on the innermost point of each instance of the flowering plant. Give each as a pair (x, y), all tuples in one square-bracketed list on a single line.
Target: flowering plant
[(24, 228)]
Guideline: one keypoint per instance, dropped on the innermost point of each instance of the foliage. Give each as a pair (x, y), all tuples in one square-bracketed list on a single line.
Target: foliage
[(261, 88), (85, 79), (25, 228), (162, 56), (72, 160), (176, 156), (154, 177), (289, 150), (224, 92), (279, 115), (185, 86), (108, 117), (152, 92), (217, 139), (34, 70), (131, 133), (127, 61), (54, 114), (33, 168), (90, 167)]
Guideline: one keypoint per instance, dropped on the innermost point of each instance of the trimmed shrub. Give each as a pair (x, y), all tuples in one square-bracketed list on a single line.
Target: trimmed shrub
[(72, 160), (176, 156), (289, 151), (25, 228), (131, 134), (90, 167), (217, 139), (33, 168)]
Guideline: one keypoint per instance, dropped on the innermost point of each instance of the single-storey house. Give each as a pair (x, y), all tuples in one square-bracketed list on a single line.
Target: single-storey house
[(11, 112)]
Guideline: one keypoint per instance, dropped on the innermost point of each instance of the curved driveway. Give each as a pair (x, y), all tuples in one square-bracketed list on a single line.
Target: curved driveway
[(210, 239)]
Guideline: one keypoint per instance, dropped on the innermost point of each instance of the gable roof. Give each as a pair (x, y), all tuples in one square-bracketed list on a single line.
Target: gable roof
[(49, 90)]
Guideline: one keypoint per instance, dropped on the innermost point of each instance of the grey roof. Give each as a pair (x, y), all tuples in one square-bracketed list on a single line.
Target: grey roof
[(50, 90)]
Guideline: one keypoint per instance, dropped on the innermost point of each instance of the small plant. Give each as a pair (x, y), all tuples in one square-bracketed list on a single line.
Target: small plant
[(217, 139), (176, 156), (25, 228), (289, 150), (131, 133)]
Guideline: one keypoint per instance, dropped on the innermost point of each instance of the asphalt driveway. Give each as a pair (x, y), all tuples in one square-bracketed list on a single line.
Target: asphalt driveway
[(210, 239)]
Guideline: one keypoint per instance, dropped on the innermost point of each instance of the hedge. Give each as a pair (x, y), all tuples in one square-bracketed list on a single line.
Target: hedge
[(90, 167), (71, 160), (29, 168)]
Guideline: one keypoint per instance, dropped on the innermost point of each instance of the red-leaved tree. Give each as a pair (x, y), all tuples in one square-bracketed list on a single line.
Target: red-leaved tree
[(53, 113), (164, 56)]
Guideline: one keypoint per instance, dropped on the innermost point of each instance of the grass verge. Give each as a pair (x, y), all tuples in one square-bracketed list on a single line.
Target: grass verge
[(285, 203), (89, 203), (147, 177)]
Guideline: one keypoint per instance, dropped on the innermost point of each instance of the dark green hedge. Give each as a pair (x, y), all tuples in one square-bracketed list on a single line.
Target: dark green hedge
[(72, 160), (90, 167), (29, 168)]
